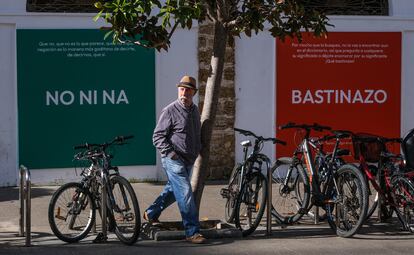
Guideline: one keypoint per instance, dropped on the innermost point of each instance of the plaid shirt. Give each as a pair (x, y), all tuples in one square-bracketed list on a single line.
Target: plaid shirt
[(179, 130)]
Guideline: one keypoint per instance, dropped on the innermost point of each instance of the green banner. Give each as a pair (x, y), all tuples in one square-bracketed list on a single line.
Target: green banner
[(75, 87)]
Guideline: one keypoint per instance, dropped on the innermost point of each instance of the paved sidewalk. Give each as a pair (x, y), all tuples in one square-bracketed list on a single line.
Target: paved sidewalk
[(212, 206), (305, 238)]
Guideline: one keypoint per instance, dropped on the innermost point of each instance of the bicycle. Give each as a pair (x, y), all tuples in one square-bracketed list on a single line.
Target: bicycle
[(72, 208), (389, 182), (301, 183), (246, 193)]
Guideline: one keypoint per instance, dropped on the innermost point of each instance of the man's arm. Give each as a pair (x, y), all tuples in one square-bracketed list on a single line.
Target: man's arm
[(160, 137)]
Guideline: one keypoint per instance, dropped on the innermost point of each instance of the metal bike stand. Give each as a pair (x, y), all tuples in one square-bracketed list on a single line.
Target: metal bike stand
[(316, 215), (379, 210), (25, 205), (269, 201), (94, 227), (103, 208)]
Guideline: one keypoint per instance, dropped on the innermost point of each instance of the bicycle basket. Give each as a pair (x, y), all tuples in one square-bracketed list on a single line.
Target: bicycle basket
[(368, 146)]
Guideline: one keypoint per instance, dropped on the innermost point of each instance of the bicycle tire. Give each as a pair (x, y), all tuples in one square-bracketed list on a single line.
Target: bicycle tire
[(348, 211), (289, 203), (125, 211), (233, 190), (71, 212), (251, 203), (403, 193)]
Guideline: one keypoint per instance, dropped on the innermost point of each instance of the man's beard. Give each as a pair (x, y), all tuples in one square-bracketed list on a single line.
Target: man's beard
[(185, 101)]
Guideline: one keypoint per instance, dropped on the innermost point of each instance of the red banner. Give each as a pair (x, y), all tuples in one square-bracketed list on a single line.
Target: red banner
[(349, 80)]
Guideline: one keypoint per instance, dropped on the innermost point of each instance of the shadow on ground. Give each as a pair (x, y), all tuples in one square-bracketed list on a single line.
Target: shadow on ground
[(12, 193)]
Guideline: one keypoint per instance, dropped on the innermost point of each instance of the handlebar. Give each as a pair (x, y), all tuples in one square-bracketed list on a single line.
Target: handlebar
[(118, 139), (337, 134), (314, 126), (98, 150), (260, 138), (391, 140)]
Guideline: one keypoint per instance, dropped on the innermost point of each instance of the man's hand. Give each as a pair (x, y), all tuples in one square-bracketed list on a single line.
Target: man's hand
[(172, 155)]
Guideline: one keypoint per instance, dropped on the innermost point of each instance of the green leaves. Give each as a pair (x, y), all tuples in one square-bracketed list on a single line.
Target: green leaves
[(284, 17), (151, 23), (148, 23)]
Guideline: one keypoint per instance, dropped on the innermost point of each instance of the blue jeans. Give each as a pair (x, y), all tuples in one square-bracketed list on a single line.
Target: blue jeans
[(178, 188)]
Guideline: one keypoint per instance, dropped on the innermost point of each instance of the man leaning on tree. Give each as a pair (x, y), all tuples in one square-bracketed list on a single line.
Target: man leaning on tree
[(177, 137)]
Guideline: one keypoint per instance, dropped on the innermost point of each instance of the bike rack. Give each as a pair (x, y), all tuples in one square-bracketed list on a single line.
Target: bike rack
[(316, 213), (103, 208), (269, 201), (25, 204)]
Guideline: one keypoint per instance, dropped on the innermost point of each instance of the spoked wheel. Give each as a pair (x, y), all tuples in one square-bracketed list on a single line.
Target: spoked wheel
[(71, 213), (290, 191), (403, 193), (251, 203), (126, 213), (231, 193), (347, 208)]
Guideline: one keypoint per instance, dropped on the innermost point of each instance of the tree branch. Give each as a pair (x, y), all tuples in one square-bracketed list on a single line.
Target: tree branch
[(210, 10), (222, 13), (232, 23)]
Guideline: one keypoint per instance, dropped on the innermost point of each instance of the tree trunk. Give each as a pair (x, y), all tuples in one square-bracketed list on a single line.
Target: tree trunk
[(208, 114)]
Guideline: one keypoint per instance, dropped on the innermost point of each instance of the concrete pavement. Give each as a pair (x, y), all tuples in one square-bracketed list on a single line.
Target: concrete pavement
[(304, 238)]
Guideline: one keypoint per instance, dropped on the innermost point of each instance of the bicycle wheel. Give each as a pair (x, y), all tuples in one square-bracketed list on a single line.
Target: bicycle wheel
[(231, 194), (403, 193), (251, 203), (290, 191), (126, 213), (347, 207), (71, 212)]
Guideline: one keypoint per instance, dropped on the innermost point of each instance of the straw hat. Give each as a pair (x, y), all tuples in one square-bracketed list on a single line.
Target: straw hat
[(188, 82)]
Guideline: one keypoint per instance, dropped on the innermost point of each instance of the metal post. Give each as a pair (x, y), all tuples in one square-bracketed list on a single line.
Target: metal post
[(25, 204), (103, 203), (94, 227), (21, 198), (269, 202), (379, 210), (28, 208), (316, 215)]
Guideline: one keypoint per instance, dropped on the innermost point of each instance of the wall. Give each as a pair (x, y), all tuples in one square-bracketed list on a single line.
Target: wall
[(8, 111), (170, 66), (255, 77), (401, 8), (255, 74)]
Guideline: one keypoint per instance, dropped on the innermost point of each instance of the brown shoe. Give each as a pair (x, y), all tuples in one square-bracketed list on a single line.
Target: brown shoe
[(196, 239), (150, 221)]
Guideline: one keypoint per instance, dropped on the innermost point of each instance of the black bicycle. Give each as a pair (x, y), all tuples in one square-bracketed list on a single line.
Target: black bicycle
[(315, 178), (72, 208), (246, 193)]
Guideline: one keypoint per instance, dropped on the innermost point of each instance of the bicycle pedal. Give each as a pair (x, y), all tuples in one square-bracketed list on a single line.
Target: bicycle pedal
[(60, 217)]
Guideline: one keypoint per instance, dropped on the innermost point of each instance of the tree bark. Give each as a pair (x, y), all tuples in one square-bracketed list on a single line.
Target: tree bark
[(208, 115)]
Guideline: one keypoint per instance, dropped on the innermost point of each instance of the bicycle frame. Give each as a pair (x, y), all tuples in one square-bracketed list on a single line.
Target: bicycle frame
[(99, 173), (386, 172), (250, 169), (318, 194), (307, 148)]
